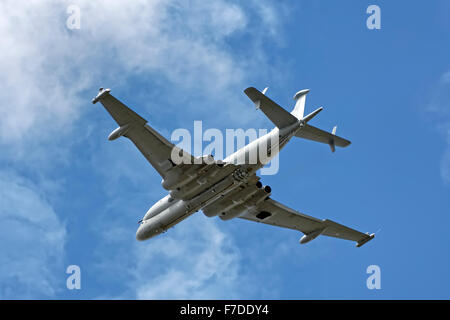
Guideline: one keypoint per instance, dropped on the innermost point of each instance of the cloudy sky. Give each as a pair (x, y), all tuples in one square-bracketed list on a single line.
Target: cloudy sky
[(68, 196)]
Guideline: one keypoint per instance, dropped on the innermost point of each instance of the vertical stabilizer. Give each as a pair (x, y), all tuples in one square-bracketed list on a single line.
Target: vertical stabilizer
[(300, 98)]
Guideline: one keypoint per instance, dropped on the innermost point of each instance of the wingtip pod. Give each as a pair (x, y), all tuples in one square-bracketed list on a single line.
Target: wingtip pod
[(365, 240), (101, 93)]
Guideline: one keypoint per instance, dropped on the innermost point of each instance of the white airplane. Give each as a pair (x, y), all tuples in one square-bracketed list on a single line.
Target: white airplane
[(229, 188)]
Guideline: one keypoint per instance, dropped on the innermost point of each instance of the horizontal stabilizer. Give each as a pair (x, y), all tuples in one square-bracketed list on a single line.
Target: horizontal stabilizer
[(315, 134), (279, 116)]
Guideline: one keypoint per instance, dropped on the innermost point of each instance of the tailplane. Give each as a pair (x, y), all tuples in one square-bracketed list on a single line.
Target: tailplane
[(282, 118), (310, 132), (315, 134)]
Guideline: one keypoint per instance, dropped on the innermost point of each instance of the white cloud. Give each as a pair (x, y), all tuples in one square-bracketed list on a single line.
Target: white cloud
[(46, 68), (48, 75), (196, 260), (32, 238)]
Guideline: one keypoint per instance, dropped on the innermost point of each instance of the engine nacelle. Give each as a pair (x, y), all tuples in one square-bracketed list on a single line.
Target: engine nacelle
[(231, 200), (248, 205), (196, 184)]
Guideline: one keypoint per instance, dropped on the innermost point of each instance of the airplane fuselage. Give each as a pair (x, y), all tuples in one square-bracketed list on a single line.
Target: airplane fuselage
[(172, 209)]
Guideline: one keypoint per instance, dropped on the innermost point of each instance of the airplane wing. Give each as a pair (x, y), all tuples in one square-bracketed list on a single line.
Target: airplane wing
[(155, 148), (274, 213)]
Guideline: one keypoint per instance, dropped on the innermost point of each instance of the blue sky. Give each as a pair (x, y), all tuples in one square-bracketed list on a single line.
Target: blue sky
[(69, 196)]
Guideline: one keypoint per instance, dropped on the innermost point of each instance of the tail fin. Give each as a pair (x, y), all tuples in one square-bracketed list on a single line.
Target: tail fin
[(300, 98)]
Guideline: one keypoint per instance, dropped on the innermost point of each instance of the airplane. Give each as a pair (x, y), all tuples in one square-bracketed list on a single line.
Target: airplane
[(227, 188)]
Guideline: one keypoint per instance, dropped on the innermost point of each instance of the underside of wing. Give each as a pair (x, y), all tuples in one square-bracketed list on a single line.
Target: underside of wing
[(155, 148), (274, 213), (245, 197)]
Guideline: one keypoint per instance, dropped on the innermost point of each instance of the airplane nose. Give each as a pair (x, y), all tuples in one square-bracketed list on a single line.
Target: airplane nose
[(148, 229), (141, 234)]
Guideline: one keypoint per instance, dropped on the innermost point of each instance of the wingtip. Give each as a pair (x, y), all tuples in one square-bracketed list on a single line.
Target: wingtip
[(101, 93), (365, 240), (249, 89)]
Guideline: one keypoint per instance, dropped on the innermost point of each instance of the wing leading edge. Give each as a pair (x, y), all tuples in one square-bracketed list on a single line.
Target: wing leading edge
[(274, 213)]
